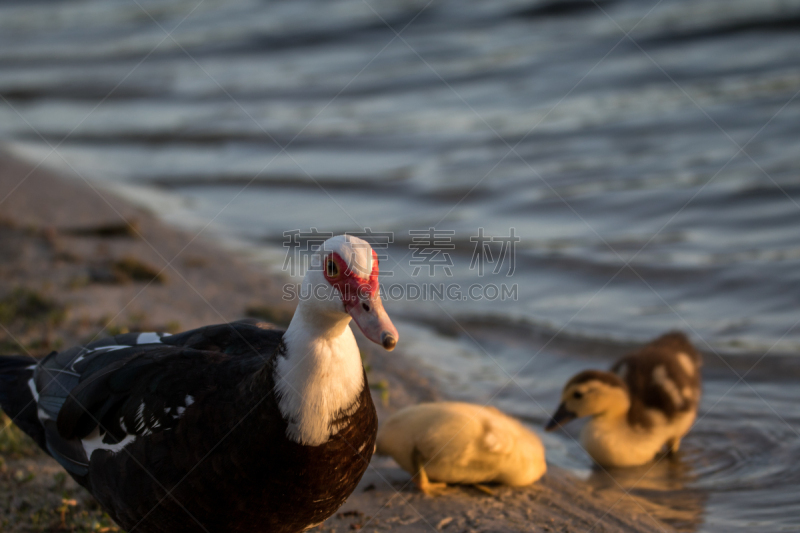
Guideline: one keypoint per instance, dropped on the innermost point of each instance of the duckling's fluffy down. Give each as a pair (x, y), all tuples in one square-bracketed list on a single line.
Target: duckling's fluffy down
[(463, 443)]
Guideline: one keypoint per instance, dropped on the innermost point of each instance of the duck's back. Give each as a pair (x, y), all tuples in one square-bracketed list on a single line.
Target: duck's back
[(662, 377), (463, 443)]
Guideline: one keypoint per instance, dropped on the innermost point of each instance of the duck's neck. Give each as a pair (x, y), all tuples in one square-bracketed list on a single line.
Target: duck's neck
[(320, 378), (616, 412)]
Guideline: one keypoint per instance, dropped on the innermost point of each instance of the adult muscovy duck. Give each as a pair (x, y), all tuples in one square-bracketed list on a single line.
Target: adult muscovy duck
[(226, 428)]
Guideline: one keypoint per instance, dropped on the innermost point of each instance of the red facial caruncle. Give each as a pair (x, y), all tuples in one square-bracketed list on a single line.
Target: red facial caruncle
[(361, 299), (352, 287)]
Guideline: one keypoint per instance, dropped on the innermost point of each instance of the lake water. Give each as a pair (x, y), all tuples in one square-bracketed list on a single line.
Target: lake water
[(644, 152)]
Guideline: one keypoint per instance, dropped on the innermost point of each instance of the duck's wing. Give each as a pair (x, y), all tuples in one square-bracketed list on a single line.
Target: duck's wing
[(497, 439), (247, 337), (108, 394), (673, 344), (464, 438), (662, 376)]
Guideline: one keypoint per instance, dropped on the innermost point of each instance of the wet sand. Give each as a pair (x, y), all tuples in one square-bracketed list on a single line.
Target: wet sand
[(82, 264)]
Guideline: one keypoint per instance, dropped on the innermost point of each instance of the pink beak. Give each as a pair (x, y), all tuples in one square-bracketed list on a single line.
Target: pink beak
[(374, 323)]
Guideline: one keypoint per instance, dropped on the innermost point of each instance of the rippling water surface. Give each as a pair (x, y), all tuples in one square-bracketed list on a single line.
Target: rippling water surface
[(645, 152)]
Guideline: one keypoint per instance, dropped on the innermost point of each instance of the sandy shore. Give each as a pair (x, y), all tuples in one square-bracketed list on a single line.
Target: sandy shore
[(78, 263)]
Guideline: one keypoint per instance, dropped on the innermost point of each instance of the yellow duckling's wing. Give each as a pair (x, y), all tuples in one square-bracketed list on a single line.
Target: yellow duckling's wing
[(462, 443), (498, 434), (476, 444)]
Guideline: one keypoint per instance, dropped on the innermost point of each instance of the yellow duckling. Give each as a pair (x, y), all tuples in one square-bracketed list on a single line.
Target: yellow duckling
[(453, 442), (647, 401)]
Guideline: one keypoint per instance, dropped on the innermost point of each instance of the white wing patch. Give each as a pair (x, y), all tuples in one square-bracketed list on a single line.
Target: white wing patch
[(148, 338), (139, 418), (146, 422), (189, 400), (34, 392), (40, 412), (95, 442)]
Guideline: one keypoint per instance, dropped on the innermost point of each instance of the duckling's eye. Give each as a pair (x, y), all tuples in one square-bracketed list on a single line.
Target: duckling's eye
[(577, 395), (332, 268)]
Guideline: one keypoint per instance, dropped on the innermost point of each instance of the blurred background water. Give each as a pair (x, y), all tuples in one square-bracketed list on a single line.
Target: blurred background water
[(646, 153)]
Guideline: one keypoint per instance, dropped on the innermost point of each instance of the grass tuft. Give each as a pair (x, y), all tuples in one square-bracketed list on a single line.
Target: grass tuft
[(382, 387), (31, 306), (279, 317), (113, 230), (13, 442), (131, 269)]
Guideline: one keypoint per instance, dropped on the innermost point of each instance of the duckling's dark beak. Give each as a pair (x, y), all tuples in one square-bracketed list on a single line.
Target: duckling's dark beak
[(562, 416)]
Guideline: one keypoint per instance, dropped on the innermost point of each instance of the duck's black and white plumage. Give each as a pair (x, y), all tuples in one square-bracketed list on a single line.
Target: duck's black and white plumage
[(647, 401), (226, 428)]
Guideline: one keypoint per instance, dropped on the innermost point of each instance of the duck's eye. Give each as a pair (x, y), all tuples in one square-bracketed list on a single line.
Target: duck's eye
[(332, 268), (577, 395)]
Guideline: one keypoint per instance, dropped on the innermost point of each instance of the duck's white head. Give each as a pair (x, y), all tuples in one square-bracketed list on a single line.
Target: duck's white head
[(343, 280), (591, 393)]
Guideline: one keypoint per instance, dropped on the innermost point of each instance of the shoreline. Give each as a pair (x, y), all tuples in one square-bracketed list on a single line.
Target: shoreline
[(95, 265)]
